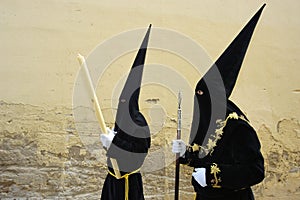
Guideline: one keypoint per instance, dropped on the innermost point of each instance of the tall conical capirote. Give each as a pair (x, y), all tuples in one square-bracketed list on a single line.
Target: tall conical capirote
[(230, 61), (215, 87), (128, 117)]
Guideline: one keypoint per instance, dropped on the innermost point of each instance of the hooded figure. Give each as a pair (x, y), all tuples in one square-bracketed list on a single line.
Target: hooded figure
[(129, 141), (223, 148)]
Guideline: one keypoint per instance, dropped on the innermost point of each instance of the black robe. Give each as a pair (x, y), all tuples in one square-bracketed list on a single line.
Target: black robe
[(235, 162), (130, 153), (238, 158), (132, 140)]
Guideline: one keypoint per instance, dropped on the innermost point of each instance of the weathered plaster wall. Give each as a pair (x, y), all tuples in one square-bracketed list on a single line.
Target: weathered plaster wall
[(42, 157)]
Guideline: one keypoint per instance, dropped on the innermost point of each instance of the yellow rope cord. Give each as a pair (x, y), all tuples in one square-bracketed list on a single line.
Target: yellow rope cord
[(125, 176)]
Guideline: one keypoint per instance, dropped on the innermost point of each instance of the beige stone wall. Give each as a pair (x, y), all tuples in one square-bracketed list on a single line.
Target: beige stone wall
[(42, 155)]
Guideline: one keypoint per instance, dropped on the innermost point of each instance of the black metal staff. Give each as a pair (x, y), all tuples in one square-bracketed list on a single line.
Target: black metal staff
[(178, 154)]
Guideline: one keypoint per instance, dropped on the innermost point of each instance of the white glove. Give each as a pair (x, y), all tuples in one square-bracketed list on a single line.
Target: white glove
[(178, 146), (199, 176), (107, 139)]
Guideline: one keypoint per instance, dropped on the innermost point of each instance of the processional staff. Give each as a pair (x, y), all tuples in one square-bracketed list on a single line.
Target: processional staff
[(177, 170)]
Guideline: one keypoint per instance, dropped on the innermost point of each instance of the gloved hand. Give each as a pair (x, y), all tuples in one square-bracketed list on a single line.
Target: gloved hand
[(199, 176), (107, 138), (178, 146)]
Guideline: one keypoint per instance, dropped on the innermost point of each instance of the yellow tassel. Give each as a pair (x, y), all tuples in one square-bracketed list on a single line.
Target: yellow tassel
[(126, 177)]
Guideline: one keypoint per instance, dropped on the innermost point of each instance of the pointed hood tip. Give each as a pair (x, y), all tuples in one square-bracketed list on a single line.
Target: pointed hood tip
[(261, 8), (258, 13)]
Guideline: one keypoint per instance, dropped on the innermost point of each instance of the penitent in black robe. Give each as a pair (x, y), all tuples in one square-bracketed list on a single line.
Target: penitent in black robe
[(222, 140), (236, 160), (132, 140)]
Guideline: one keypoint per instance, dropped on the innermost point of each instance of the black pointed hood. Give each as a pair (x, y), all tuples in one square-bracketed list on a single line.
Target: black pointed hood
[(230, 62), (215, 87), (128, 117), (132, 140)]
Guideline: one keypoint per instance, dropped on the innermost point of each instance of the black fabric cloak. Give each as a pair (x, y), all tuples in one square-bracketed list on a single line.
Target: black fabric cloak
[(222, 140), (236, 156)]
